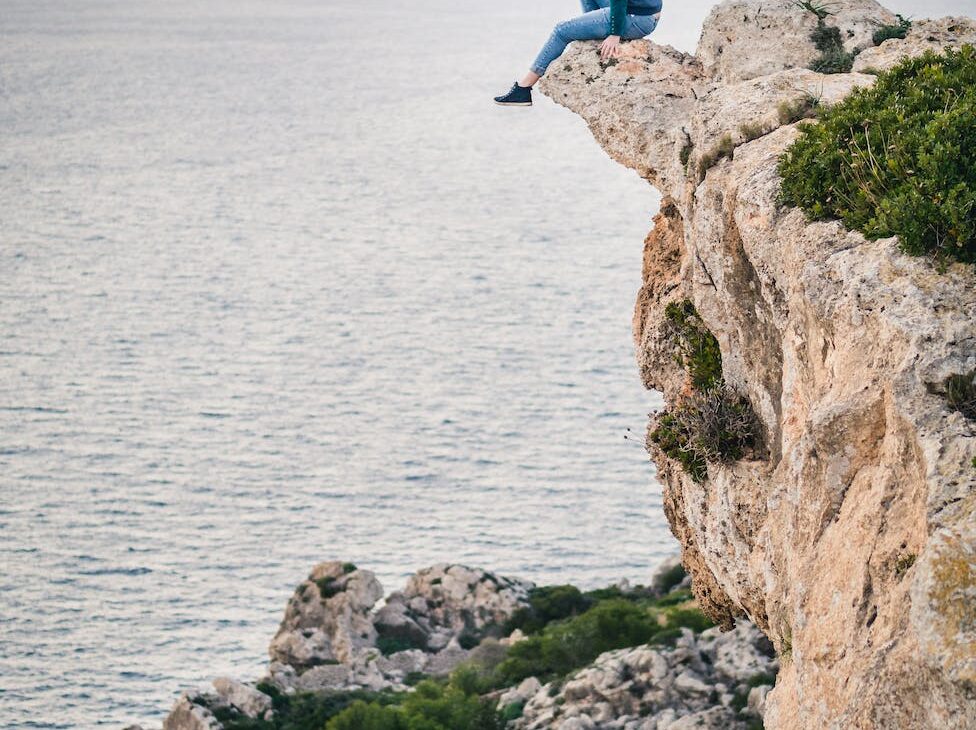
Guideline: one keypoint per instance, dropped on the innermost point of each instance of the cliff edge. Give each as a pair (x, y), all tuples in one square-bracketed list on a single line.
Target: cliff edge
[(849, 535)]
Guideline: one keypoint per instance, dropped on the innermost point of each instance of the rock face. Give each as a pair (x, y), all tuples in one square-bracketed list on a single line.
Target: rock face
[(702, 682), (853, 544)]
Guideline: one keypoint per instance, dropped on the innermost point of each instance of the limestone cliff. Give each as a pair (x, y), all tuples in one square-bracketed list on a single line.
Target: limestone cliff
[(851, 541)]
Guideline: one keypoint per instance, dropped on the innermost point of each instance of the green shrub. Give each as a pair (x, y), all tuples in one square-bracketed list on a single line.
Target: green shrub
[(363, 716), (666, 581), (568, 645), (887, 32), (348, 568), (677, 442), (513, 711), (960, 394), (897, 159), (697, 348), (302, 711), (391, 644), (431, 706), (795, 110), (724, 149), (547, 604), (834, 58), (716, 425)]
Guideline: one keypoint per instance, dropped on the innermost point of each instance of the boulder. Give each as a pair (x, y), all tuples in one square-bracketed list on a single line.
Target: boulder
[(191, 712), (328, 618), (245, 699), (450, 602)]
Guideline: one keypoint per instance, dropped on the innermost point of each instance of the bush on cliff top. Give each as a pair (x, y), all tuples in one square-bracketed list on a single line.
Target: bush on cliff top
[(897, 159)]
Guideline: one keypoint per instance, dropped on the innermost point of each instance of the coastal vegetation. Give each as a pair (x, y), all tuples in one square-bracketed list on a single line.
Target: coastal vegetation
[(897, 159), (565, 629)]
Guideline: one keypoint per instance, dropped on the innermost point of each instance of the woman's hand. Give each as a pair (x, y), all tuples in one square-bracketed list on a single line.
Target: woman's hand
[(610, 48)]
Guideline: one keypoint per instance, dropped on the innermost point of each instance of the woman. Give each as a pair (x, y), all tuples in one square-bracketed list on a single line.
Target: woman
[(606, 20)]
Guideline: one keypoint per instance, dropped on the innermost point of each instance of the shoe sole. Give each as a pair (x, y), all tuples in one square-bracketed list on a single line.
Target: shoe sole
[(513, 103)]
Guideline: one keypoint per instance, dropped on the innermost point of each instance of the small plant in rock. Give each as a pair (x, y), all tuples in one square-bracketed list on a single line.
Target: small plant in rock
[(753, 130), (716, 425), (897, 159), (960, 394), (821, 10), (834, 58), (697, 349), (724, 149), (903, 563), (887, 32), (795, 110), (804, 107)]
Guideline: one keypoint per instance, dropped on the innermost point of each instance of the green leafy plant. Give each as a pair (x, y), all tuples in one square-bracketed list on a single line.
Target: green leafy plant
[(821, 10), (670, 579), (834, 58), (753, 130), (301, 711), (698, 350), (795, 110), (887, 32), (724, 149), (898, 158), (960, 394), (431, 706), (547, 604), (567, 645)]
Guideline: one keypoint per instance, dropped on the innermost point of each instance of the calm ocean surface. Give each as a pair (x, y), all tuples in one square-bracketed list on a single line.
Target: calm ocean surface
[(279, 284)]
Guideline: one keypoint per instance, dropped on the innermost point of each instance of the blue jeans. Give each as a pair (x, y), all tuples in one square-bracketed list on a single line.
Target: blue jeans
[(592, 25)]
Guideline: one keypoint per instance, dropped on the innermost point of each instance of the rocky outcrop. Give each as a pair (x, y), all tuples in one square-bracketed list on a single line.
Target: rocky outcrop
[(448, 602), (328, 618), (852, 543), (715, 680), (334, 638)]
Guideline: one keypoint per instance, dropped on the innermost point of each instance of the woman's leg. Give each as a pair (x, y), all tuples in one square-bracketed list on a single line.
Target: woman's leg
[(590, 5), (591, 26)]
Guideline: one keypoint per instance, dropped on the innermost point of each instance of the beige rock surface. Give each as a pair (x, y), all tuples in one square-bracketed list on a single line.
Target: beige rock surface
[(853, 546)]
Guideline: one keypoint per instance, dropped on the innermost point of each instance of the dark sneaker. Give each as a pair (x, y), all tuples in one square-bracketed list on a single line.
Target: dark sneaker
[(518, 96)]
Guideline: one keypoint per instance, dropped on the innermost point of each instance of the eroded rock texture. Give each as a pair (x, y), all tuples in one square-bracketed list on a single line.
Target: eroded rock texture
[(853, 544)]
